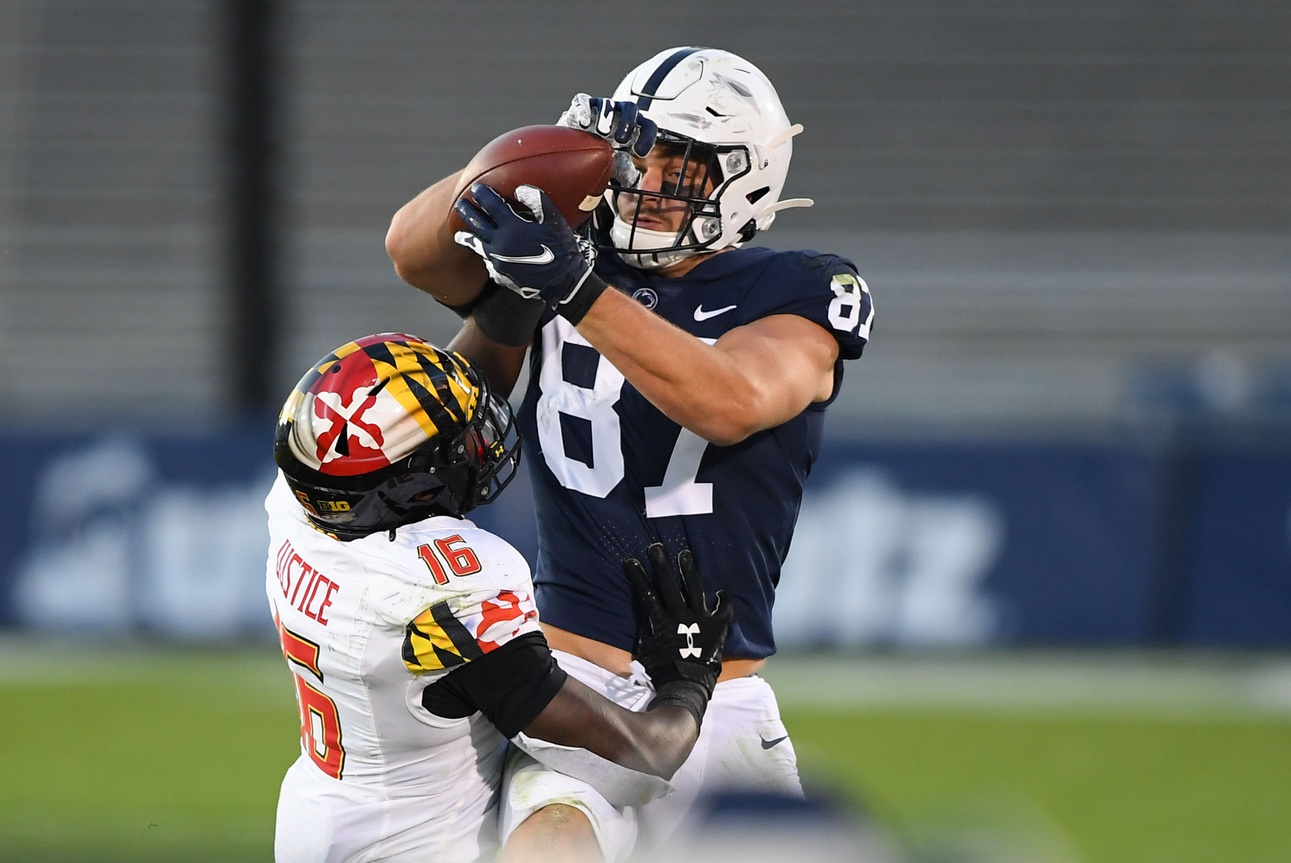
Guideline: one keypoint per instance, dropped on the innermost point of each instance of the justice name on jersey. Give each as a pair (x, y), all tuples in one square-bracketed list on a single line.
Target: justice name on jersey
[(308, 590)]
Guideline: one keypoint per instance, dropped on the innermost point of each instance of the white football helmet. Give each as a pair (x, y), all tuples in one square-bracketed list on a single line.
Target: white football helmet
[(724, 115)]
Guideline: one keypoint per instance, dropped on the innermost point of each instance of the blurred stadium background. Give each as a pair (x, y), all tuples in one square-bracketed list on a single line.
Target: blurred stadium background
[(1039, 606)]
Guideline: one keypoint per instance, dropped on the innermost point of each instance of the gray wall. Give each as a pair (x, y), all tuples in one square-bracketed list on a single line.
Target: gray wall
[(1053, 202)]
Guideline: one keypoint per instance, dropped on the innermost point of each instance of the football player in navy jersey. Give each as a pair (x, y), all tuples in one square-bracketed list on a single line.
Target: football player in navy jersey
[(677, 387)]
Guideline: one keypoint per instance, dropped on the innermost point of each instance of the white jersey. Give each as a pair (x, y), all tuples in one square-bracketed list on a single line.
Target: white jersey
[(365, 626)]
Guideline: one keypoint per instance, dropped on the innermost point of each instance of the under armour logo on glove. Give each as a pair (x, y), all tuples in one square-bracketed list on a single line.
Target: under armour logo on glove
[(679, 638), (690, 650)]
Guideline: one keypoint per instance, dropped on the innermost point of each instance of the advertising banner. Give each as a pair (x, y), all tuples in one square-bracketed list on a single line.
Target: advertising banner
[(902, 544), (974, 544), (1235, 584)]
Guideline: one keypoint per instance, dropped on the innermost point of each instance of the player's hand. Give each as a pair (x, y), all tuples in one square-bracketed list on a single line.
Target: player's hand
[(679, 638), (620, 123), (533, 251)]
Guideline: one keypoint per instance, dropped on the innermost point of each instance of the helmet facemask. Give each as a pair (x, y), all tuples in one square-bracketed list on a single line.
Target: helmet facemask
[(725, 117), (490, 446), (696, 193)]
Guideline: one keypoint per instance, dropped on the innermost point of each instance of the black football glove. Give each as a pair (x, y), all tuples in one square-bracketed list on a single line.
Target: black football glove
[(535, 253), (621, 123), (679, 642)]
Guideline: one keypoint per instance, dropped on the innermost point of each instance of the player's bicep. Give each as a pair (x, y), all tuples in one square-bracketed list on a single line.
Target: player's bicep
[(502, 365), (789, 359), (510, 686)]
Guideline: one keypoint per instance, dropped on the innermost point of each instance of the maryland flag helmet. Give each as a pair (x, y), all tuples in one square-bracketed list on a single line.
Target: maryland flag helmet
[(388, 430)]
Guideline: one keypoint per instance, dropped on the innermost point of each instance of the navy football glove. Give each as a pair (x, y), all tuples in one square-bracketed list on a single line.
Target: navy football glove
[(536, 254), (679, 642), (620, 123)]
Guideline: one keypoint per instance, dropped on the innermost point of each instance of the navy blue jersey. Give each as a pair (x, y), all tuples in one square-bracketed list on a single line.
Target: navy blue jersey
[(612, 474)]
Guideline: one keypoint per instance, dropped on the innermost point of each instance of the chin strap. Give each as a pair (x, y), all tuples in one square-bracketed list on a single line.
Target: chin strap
[(768, 216)]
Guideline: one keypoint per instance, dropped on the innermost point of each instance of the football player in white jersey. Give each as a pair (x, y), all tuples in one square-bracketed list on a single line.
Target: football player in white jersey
[(413, 636)]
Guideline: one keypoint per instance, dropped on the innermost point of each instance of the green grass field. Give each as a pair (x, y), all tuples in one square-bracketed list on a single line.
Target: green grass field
[(115, 754)]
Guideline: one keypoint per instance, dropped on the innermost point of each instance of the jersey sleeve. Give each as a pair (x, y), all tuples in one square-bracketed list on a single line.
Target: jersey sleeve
[(464, 627), (826, 289)]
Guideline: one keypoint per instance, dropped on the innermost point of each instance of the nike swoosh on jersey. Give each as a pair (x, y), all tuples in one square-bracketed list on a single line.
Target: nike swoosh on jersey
[(544, 257), (701, 315), (767, 744)]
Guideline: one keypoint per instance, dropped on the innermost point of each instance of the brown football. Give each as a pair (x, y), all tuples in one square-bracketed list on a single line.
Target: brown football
[(572, 166)]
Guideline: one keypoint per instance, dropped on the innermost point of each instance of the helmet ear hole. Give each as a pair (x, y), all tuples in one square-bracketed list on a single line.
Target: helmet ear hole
[(750, 228)]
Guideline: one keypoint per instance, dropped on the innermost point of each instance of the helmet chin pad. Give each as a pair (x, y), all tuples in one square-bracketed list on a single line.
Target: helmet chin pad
[(654, 250)]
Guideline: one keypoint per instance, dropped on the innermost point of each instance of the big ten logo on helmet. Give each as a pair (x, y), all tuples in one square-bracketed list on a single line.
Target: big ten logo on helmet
[(322, 506), (913, 573)]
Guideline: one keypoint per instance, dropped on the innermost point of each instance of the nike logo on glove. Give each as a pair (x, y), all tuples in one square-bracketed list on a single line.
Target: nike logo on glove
[(767, 744), (701, 315), (546, 256)]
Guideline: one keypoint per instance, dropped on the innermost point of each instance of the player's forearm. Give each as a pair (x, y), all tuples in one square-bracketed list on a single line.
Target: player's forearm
[(501, 364), (661, 742), (656, 742), (420, 244), (693, 383)]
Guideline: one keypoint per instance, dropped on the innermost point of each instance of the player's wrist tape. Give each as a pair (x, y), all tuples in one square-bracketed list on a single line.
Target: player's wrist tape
[(686, 694), (576, 303), (506, 317)]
